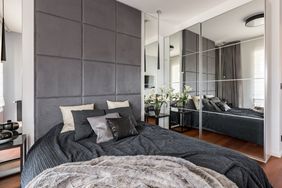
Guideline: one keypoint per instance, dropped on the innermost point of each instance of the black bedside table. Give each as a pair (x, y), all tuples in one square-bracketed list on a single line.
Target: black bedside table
[(19, 142), (155, 118)]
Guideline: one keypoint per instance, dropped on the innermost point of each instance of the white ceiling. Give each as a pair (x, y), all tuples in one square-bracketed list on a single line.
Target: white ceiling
[(13, 15), (174, 12), (230, 26)]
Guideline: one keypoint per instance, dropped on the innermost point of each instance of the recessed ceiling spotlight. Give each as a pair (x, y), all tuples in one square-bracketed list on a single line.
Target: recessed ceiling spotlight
[(255, 21)]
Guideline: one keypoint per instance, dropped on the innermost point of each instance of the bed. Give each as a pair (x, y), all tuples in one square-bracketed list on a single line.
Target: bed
[(244, 124), (241, 123), (55, 148)]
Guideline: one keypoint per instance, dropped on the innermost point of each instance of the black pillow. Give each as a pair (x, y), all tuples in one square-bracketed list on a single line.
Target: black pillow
[(215, 106), (124, 112), (121, 127), (81, 125), (223, 106), (207, 105)]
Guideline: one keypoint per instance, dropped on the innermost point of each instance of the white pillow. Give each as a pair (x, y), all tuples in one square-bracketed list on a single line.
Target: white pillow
[(116, 104), (196, 100), (67, 115)]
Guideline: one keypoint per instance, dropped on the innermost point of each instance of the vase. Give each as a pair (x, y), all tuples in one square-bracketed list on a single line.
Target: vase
[(157, 111)]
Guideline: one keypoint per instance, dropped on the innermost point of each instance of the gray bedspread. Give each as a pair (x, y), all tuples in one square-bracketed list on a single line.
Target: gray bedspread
[(141, 171), (54, 149)]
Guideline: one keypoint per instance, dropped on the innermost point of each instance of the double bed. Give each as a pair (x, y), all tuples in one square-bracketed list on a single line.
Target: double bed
[(56, 148)]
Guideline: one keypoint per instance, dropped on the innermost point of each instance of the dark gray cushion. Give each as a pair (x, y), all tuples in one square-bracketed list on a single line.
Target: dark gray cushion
[(121, 127), (124, 112), (81, 124), (223, 106), (207, 106), (217, 109)]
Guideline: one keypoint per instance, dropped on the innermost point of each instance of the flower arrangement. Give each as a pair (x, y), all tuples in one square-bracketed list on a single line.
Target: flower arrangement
[(165, 96)]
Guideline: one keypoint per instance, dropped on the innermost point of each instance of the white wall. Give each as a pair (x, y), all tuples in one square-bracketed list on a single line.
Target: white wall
[(28, 70), (12, 74), (248, 69)]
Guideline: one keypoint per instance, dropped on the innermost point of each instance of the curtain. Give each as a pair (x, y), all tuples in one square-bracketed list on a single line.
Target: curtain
[(229, 68)]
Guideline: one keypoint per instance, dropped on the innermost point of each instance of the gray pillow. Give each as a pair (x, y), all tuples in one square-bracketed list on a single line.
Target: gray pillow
[(124, 112), (99, 125)]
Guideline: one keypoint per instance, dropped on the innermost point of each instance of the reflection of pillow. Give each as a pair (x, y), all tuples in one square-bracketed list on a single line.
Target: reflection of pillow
[(223, 106), (117, 104), (81, 125), (215, 106), (121, 128), (208, 96), (67, 115), (207, 106), (124, 112), (196, 100), (99, 125)]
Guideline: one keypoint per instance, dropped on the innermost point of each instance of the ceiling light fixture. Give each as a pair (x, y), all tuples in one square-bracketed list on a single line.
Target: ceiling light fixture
[(255, 21)]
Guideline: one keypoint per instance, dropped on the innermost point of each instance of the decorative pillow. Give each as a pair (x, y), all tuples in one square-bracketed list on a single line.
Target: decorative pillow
[(67, 115), (223, 106), (207, 106), (117, 104), (121, 127), (208, 96), (217, 109), (124, 112), (196, 100), (99, 125), (81, 124)]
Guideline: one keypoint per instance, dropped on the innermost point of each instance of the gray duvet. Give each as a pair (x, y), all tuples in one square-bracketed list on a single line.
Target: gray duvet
[(55, 149), (133, 172)]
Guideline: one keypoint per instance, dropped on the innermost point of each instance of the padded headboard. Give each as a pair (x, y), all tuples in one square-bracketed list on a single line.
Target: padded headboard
[(86, 51)]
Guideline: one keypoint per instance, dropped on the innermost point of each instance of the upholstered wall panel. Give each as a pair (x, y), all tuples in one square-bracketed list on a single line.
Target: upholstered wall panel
[(70, 9), (100, 101), (128, 48), (98, 44), (128, 79), (48, 113), (105, 85), (86, 51), (58, 37), (58, 77), (126, 18), (100, 13)]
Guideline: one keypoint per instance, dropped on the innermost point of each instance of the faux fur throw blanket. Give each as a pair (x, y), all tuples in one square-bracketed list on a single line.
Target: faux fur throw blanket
[(131, 171)]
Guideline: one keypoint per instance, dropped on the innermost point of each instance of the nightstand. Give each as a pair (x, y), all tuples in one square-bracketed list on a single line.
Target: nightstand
[(19, 142), (155, 119)]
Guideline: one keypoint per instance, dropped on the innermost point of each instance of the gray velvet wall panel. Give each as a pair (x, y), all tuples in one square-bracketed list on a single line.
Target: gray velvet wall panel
[(70, 9), (58, 37), (105, 85), (100, 13), (58, 77), (86, 51), (126, 18), (98, 44)]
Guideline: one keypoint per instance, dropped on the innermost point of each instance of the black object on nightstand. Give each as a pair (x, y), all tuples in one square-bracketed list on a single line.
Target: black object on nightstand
[(20, 142), (156, 118)]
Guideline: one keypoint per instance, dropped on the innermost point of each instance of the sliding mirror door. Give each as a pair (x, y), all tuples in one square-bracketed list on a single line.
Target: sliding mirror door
[(233, 72)]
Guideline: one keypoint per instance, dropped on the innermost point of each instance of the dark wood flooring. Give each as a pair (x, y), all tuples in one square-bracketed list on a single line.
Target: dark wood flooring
[(248, 148)]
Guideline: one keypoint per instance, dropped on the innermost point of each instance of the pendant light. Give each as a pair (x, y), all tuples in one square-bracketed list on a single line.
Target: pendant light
[(159, 12), (145, 60), (3, 42)]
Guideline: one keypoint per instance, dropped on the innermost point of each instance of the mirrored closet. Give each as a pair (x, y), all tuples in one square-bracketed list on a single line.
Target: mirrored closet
[(216, 79)]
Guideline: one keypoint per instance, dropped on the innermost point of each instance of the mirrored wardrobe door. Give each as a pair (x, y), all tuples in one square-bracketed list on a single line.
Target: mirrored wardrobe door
[(184, 81), (233, 77)]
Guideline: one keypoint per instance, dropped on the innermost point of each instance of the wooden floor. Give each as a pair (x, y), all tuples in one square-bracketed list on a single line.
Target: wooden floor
[(232, 143)]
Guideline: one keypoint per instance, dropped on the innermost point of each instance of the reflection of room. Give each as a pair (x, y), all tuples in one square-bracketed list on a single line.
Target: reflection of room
[(224, 65)]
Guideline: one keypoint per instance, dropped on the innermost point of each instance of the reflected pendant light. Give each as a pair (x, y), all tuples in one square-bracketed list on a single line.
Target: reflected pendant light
[(145, 60), (159, 12), (3, 42)]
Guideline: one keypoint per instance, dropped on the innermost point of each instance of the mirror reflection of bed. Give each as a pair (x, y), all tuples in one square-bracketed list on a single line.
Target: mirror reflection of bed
[(226, 73)]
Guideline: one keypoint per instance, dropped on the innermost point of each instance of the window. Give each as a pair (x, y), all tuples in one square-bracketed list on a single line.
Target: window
[(259, 78)]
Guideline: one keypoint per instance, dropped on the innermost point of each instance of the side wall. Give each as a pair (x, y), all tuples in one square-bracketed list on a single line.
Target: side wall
[(86, 51)]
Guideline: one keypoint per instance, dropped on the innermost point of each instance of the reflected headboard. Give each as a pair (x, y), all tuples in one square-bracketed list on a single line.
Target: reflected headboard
[(85, 55)]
